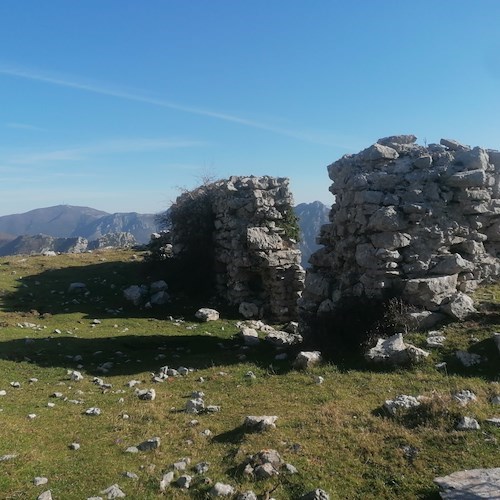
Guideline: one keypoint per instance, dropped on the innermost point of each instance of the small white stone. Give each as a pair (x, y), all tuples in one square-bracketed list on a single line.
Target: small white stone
[(468, 424), (94, 411)]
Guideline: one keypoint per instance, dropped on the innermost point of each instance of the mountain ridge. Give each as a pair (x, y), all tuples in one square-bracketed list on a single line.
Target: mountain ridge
[(72, 222)]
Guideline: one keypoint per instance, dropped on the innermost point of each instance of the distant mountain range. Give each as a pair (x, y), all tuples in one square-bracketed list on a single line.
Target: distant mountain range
[(63, 227), (66, 221)]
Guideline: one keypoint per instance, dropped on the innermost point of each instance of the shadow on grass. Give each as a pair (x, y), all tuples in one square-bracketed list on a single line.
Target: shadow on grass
[(234, 436), (129, 354), (136, 353), (48, 292)]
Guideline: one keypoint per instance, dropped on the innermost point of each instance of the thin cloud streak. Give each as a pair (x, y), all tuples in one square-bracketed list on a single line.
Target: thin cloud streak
[(24, 126), (107, 147), (306, 136)]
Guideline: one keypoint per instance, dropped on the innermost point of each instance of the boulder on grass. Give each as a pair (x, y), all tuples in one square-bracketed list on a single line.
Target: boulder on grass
[(206, 314)]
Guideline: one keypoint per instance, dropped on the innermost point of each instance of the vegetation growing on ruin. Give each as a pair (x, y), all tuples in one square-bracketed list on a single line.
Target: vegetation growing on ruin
[(290, 224)]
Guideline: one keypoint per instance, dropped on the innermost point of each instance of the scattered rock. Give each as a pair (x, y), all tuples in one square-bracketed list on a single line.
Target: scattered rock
[(184, 482), (130, 475), (470, 484), (468, 359), (135, 294), (75, 376), (149, 444), (249, 336), (435, 339), (201, 468), (260, 423), (38, 481), (94, 411), (401, 403), (468, 424), (283, 339), (74, 446), (247, 495), (166, 480), (195, 405), (464, 397), (394, 351), (307, 359), (146, 394), (317, 494), (46, 495), (265, 471), (113, 491), (205, 314), (221, 490)]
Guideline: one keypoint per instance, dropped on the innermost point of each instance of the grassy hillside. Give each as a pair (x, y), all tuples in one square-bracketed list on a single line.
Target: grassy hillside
[(336, 433)]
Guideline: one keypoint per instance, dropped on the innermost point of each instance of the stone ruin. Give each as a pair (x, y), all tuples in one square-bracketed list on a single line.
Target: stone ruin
[(420, 223), (249, 226)]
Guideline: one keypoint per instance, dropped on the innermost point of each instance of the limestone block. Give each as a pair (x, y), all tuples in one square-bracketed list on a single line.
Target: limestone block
[(424, 161), (472, 178), (378, 152), (390, 240), (453, 145), (430, 292), (317, 285), (365, 256), (397, 139), (472, 483), (459, 307), (386, 219), (373, 197), (476, 158), (452, 264)]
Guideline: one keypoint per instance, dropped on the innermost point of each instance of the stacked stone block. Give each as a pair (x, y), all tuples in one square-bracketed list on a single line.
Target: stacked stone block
[(256, 266), (422, 223)]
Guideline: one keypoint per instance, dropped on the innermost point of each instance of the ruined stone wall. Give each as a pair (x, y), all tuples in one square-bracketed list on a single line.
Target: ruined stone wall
[(422, 223), (256, 265)]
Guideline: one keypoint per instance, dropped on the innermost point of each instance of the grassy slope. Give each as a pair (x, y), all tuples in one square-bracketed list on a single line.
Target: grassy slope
[(334, 433)]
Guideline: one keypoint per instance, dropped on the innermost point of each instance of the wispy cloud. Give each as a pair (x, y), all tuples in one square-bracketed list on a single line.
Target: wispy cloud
[(330, 139), (24, 126), (114, 146)]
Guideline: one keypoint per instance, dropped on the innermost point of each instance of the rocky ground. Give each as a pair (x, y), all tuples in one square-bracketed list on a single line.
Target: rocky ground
[(103, 398)]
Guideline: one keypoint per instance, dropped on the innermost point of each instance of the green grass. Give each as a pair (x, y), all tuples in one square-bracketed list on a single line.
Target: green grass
[(335, 434)]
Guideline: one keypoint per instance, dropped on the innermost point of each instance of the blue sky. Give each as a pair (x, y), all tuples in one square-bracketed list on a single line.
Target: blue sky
[(117, 104)]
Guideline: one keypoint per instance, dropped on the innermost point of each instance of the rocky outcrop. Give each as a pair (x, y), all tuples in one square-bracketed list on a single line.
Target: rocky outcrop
[(312, 216), (42, 243), (249, 225), (115, 240), (421, 223)]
